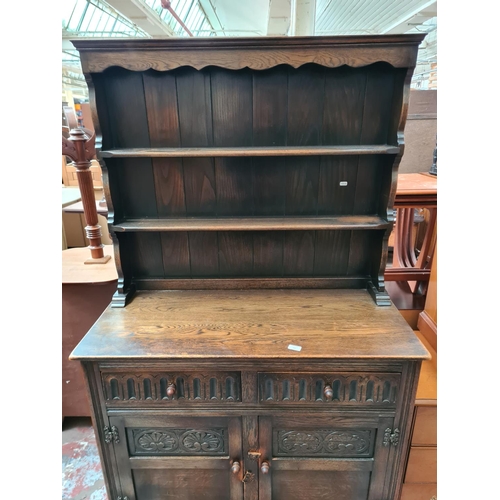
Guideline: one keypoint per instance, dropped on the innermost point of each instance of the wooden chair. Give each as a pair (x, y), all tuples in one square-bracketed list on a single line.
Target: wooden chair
[(414, 191)]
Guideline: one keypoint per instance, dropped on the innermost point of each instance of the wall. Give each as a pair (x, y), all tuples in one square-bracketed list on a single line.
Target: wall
[(420, 132)]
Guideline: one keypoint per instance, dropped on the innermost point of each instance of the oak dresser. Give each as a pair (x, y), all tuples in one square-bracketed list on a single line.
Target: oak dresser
[(251, 350)]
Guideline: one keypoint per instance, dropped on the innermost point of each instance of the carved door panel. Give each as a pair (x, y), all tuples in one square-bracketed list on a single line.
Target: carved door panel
[(181, 458), (319, 456)]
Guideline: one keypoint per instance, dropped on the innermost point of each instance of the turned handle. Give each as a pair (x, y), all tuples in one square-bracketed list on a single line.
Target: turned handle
[(328, 392), (264, 467), (235, 467), (171, 390)]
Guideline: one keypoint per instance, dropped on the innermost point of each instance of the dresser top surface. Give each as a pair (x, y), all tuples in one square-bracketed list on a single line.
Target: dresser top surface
[(251, 324)]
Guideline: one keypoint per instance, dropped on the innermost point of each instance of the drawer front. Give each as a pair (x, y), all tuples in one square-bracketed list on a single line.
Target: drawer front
[(422, 465), (127, 389), (425, 430), (379, 389)]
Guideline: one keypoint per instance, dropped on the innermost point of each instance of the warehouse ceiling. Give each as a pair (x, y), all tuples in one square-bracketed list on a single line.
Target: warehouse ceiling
[(184, 18)]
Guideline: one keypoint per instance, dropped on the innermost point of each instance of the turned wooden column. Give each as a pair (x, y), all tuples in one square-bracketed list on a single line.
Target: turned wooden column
[(80, 147)]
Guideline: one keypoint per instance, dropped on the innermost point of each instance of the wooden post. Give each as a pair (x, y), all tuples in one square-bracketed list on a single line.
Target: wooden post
[(80, 148)]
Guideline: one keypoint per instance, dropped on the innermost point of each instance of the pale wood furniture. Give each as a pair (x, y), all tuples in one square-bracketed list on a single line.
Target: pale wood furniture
[(70, 195), (86, 292), (251, 350), (420, 478), (427, 321)]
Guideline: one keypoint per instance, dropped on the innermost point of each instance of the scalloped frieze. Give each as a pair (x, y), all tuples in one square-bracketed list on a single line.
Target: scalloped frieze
[(164, 60)]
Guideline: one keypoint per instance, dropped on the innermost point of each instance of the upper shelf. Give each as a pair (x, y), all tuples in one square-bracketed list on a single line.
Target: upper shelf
[(254, 224), (249, 151)]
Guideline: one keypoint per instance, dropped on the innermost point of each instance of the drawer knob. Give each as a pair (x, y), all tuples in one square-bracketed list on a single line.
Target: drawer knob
[(235, 467), (171, 390), (264, 467), (328, 392)]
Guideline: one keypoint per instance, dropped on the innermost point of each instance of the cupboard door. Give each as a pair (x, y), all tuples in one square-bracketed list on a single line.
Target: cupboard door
[(315, 457), (177, 458)]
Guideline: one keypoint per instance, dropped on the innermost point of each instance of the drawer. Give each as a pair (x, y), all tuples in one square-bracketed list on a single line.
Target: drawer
[(352, 388), (422, 465), (425, 429), (419, 492), (129, 388)]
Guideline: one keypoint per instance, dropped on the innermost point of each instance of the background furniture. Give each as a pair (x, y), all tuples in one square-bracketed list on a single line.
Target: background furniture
[(420, 132), (420, 478), (79, 146), (86, 292), (250, 185), (427, 320), (70, 195), (413, 244), (412, 259), (421, 469), (74, 220)]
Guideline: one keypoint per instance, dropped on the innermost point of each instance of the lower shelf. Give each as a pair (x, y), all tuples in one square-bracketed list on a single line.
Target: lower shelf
[(254, 223)]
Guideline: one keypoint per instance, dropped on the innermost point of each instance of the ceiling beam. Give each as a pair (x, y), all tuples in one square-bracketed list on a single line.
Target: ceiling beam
[(303, 17), (404, 24), (280, 17), (211, 13), (143, 16)]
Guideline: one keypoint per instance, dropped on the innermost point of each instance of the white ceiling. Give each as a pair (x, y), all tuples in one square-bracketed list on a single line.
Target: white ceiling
[(353, 17), (240, 18)]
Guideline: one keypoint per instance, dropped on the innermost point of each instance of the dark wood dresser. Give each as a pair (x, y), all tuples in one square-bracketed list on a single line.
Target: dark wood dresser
[(251, 350)]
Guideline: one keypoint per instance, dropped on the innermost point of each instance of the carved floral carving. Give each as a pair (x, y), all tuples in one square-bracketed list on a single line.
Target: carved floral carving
[(158, 441), (203, 441), (179, 441), (323, 442)]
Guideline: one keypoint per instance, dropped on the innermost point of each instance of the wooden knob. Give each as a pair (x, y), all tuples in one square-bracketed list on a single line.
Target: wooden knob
[(171, 390), (264, 467), (328, 392), (235, 467)]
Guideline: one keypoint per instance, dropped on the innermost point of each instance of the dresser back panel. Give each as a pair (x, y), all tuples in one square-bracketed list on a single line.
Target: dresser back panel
[(255, 254), (283, 106), (260, 186)]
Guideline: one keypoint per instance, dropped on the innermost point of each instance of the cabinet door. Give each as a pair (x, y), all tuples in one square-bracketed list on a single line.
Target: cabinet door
[(177, 458), (318, 457)]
